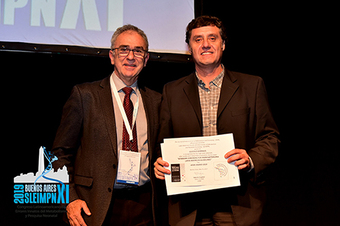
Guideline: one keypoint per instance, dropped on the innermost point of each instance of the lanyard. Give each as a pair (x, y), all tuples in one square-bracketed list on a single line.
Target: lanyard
[(122, 111)]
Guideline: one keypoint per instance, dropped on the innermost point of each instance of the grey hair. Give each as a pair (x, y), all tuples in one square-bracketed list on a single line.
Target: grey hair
[(128, 27)]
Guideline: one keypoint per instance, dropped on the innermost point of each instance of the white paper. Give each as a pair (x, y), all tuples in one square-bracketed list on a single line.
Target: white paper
[(198, 164), (128, 167)]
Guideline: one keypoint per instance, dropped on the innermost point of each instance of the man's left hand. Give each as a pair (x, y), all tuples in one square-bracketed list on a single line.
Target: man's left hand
[(240, 158)]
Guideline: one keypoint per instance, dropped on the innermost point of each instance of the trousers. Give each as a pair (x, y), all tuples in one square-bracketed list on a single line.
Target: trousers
[(131, 207)]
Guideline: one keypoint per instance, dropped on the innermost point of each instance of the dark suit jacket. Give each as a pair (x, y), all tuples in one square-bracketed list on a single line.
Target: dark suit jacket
[(244, 111), (86, 143)]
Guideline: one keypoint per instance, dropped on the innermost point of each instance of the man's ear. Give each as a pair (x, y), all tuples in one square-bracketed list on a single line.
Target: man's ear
[(112, 55), (223, 46), (146, 59), (190, 49)]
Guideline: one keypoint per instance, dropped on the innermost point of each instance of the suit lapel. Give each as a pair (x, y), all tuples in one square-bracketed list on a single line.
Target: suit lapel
[(229, 87), (191, 91), (107, 106), (146, 100)]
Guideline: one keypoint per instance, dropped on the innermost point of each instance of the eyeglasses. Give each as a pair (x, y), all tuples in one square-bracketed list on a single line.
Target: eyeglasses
[(125, 51)]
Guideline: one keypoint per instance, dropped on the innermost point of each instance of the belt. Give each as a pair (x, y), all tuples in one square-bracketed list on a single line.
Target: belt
[(132, 191)]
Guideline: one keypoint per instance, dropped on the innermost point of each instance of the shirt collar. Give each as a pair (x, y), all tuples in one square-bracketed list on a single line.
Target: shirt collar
[(120, 84), (216, 81)]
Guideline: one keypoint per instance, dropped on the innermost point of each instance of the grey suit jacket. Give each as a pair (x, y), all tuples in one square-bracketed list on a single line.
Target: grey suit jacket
[(244, 111), (86, 143)]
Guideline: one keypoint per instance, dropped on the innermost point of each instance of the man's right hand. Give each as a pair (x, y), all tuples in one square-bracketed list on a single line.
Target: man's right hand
[(74, 212), (159, 168)]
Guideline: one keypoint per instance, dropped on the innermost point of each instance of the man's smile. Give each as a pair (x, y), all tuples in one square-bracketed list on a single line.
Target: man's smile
[(206, 53), (129, 65)]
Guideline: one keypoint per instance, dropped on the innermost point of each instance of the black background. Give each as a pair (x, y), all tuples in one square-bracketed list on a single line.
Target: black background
[(278, 41)]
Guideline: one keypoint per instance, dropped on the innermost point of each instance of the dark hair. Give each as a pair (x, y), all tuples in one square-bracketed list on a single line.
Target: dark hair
[(203, 21), (129, 27)]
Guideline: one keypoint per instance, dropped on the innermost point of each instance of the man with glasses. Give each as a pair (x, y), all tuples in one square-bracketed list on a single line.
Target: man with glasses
[(106, 138)]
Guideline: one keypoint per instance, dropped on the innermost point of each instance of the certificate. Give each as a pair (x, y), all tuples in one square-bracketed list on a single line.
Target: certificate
[(198, 164)]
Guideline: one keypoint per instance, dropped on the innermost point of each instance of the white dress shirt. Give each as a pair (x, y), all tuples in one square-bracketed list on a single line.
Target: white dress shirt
[(141, 123)]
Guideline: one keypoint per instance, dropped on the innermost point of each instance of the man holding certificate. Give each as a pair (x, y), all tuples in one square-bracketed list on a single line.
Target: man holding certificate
[(218, 110)]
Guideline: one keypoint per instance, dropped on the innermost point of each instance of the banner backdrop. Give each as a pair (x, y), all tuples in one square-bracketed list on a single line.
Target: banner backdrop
[(91, 23)]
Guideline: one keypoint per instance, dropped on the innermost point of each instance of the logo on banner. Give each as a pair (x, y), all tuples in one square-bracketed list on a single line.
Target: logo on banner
[(46, 186)]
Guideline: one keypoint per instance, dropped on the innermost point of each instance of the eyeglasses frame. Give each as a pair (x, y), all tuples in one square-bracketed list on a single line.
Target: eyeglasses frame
[(133, 51)]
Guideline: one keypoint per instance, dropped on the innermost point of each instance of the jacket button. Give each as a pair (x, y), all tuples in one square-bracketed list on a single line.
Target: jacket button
[(114, 166), (109, 189)]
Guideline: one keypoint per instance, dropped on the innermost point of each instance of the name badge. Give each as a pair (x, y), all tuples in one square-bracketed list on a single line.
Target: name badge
[(128, 167)]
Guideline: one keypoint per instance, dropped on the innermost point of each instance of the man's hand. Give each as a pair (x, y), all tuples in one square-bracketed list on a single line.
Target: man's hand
[(159, 168), (74, 212), (240, 157)]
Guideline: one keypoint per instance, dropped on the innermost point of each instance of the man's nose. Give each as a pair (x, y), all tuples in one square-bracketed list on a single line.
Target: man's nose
[(205, 44), (131, 55)]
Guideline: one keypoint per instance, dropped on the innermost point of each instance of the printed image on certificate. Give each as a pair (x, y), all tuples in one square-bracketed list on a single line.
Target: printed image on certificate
[(198, 164)]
